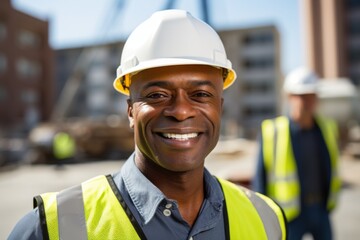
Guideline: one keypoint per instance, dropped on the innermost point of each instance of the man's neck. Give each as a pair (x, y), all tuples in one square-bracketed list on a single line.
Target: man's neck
[(305, 122), (189, 193), (187, 188)]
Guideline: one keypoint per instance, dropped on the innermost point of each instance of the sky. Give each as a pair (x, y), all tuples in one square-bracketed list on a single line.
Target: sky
[(75, 23)]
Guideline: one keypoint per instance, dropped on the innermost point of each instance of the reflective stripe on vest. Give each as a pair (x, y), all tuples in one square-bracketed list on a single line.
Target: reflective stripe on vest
[(283, 181), (264, 219), (250, 216)]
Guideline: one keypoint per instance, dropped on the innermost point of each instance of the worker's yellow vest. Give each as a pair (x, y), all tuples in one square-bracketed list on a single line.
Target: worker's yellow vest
[(96, 210), (283, 182)]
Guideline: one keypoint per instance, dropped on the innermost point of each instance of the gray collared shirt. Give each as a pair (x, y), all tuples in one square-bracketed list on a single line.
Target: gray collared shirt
[(158, 216)]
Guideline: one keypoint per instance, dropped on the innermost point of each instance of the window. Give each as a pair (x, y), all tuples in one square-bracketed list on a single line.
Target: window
[(261, 63), (258, 38), (259, 111), (261, 88), (26, 68), (3, 63), (28, 39), (2, 93), (29, 96), (2, 31)]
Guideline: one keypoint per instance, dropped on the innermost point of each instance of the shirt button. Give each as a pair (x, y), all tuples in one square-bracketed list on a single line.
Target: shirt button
[(169, 205), (167, 212)]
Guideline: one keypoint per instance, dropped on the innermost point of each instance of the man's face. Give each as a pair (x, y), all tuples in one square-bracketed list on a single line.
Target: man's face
[(175, 112), (303, 105)]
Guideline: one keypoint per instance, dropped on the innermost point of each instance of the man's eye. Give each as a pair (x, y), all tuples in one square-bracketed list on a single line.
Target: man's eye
[(155, 95), (202, 94)]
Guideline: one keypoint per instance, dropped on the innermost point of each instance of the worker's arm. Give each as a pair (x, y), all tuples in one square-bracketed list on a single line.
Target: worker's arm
[(28, 228)]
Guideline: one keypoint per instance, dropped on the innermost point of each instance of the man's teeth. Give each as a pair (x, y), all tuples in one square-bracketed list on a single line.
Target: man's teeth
[(180, 136)]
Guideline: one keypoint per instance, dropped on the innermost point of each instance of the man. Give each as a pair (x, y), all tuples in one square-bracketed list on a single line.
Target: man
[(298, 160), (174, 69)]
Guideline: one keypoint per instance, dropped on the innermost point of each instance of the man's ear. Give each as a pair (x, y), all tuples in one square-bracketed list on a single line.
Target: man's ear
[(130, 113)]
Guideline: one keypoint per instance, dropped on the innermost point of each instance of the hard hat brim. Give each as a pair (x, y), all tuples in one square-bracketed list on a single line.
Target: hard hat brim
[(301, 90), (122, 81)]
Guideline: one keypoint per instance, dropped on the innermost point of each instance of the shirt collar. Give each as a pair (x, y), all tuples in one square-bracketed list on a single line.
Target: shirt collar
[(147, 197)]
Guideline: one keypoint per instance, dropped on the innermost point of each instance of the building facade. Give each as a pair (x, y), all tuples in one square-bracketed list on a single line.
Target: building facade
[(26, 70), (255, 95)]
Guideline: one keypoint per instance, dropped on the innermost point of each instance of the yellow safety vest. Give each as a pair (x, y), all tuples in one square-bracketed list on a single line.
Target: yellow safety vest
[(283, 181), (96, 210)]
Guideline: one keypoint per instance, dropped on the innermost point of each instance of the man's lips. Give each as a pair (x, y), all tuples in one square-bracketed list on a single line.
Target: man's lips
[(179, 137)]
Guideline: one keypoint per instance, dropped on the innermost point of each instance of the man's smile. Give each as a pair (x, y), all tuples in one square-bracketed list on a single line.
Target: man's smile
[(180, 137)]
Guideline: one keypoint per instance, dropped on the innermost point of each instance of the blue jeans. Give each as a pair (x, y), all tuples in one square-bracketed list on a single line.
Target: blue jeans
[(313, 219)]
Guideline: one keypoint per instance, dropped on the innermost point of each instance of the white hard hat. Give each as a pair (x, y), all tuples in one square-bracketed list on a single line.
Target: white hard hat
[(167, 38), (301, 81)]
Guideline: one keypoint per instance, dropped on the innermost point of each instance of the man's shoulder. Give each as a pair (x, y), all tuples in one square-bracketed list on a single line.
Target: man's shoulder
[(28, 227)]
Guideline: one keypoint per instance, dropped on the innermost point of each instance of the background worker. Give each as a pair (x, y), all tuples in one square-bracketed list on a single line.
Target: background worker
[(298, 160), (64, 147), (174, 69)]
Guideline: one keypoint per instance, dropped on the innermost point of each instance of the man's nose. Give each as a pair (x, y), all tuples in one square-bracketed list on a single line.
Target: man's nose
[(180, 107)]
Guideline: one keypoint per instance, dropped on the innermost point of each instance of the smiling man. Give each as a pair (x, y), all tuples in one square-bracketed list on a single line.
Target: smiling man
[(174, 69)]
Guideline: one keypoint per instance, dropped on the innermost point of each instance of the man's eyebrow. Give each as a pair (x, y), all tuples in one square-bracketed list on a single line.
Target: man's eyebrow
[(196, 83), (157, 84), (203, 83)]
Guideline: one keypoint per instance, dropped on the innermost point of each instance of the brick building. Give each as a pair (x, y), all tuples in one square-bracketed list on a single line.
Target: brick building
[(26, 70)]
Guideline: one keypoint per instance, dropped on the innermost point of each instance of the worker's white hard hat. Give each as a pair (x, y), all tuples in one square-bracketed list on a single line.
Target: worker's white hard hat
[(167, 38), (301, 81)]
